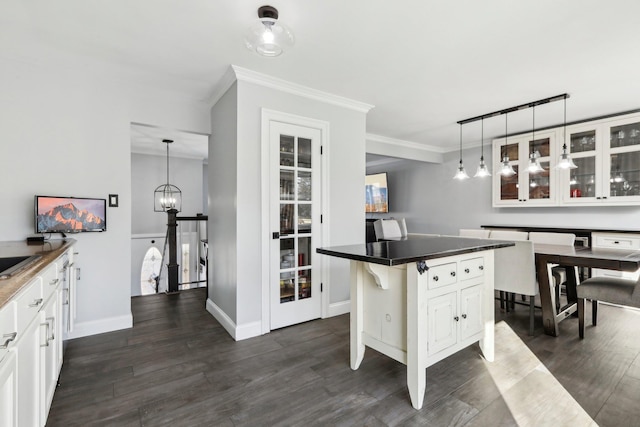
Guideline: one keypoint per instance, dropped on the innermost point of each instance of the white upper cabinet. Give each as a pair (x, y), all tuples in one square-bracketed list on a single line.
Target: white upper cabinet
[(526, 188), (607, 155)]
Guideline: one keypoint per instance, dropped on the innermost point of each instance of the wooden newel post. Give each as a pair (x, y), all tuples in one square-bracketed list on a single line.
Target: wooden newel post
[(172, 266)]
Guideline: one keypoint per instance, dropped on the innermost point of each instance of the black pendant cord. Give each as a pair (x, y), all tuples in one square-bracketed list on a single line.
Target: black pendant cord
[(564, 138), (482, 139), (167, 164), (460, 145)]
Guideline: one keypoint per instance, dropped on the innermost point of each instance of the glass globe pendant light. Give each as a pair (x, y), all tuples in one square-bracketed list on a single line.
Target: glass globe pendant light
[(267, 36), (482, 167), (461, 174)]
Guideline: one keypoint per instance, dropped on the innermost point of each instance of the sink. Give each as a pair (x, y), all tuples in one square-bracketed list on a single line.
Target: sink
[(12, 265)]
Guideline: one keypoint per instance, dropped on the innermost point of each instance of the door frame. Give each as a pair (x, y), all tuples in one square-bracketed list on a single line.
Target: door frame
[(269, 116)]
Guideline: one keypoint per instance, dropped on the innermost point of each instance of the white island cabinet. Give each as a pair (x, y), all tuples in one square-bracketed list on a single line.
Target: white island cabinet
[(420, 300), (31, 325)]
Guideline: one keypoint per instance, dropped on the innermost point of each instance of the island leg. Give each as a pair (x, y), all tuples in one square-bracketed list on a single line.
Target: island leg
[(416, 335), (357, 313), (487, 343)]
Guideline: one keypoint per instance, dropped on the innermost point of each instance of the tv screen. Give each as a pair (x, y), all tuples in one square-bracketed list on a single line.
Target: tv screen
[(70, 214), (376, 193)]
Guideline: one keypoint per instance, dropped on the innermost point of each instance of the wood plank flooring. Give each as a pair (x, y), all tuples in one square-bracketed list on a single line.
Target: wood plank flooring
[(177, 366)]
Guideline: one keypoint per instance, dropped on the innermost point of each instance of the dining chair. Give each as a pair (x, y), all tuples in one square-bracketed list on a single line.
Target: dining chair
[(608, 289), (390, 229), (515, 271), (557, 271)]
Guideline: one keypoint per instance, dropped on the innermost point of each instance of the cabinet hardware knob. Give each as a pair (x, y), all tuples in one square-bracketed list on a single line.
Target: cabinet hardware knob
[(46, 334), (481, 267), (456, 318), (54, 281), (9, 337), (453, 274), (36, 302), (464, 316), (466, 270), (435, 278)]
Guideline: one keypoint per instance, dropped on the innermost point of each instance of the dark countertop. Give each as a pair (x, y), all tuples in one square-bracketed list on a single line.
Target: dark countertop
[(49, 251), (546, 228), (412, 249)]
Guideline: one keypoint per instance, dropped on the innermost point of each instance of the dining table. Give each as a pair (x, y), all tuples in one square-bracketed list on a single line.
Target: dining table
[(570, 257)]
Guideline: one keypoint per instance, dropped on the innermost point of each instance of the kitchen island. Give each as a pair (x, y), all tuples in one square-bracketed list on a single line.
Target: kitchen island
[(420, 300)]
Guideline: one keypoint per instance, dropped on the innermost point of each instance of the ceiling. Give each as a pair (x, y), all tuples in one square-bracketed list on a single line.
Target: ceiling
[(424, 65)]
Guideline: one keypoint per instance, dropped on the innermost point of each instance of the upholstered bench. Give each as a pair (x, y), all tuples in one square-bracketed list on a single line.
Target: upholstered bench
[(608, 289)]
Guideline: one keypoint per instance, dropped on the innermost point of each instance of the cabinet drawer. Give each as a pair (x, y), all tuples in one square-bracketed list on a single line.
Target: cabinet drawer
[(471, 268), (29, 303), (620, 241), (7, 327), (442, 275), (50, 280)]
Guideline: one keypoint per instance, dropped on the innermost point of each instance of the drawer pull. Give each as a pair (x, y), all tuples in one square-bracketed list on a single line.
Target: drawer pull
[(456, 318), (435, 278), (464, 316), (466, 270), (36, 302), (46, 334), (54, 282), (9, 337), (481, 267), (453, 274)]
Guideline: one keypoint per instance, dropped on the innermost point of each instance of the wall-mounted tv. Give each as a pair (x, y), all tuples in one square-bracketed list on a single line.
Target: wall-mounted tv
[(376, 193), (69, 214)]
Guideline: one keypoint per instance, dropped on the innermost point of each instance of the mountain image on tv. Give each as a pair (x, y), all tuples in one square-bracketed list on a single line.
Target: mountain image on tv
[(67, 217)]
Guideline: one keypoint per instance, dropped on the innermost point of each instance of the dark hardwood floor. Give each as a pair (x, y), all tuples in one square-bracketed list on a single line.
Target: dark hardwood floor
[(177, 366)]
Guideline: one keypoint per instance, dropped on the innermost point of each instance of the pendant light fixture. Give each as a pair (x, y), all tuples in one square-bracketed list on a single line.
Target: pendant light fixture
[(534, 164), (506, 169), (167, 196), (267, 36), (565, 161), (461, 174), (482, 167)]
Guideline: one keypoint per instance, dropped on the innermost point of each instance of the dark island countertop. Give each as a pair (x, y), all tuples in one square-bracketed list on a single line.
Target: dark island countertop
[(413, 249)]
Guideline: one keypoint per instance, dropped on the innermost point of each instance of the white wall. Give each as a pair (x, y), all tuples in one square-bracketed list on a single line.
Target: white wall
[(433, 202), (239, 163), (147, 173), (66, 132)]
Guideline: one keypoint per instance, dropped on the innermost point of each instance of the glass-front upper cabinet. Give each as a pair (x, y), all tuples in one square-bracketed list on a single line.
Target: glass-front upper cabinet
[(529, 186), (607, 155)]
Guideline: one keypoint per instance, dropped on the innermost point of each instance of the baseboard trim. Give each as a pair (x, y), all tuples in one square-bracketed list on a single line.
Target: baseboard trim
[(338, 308), (237, 332), (83, 329)]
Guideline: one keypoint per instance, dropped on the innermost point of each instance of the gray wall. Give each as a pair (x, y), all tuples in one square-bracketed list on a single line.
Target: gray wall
[(432, 202), (147, 173)]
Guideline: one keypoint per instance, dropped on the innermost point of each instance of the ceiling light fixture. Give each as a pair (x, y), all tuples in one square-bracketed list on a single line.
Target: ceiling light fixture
[(461, 174), (482, 167), (167, 196), (506, 169), (267, 36), (534, 164), (565, 161)]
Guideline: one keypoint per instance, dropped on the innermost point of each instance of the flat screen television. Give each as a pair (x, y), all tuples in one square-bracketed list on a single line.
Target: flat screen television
[(69, 214), (376, 193)]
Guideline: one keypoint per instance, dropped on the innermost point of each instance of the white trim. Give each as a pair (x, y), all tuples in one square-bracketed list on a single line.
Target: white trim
[(339, 308), (83, 329), (243, 74), (227, 80), (238, 333), (323, 126), (407, 144)]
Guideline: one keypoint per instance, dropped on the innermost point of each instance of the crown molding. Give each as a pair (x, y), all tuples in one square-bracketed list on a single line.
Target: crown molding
[(235, 73)]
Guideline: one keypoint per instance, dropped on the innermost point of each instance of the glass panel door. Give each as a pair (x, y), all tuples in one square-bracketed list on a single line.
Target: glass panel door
[(295, 296)]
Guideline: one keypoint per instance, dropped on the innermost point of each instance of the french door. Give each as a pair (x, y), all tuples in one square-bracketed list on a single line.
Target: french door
[(295, 224)]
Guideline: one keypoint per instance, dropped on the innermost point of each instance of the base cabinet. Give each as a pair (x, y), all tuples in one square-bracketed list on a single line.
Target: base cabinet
[(31, 356)]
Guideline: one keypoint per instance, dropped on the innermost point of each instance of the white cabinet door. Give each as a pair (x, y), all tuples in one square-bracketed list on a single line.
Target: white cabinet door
[(8, 391), (442, 324), (471, 319), (50, 352), (28, 371)]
